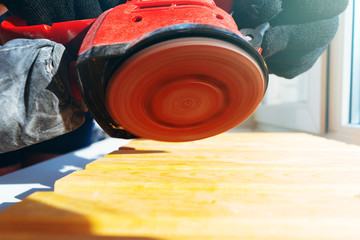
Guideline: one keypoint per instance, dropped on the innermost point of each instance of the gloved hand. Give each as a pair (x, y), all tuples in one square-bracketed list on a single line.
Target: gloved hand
[(48, 12), (300, 30)]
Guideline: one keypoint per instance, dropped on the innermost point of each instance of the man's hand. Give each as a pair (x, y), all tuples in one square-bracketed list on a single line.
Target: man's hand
[(48, 12), (300, 30)]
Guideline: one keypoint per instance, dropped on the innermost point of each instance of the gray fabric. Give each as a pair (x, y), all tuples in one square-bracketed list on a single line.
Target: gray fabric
[(36, 103)]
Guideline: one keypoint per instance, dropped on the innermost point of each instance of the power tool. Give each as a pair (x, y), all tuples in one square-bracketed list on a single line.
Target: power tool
[(174, 71)]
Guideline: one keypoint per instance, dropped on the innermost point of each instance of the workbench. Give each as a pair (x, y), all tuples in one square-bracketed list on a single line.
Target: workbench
[(231, 186)]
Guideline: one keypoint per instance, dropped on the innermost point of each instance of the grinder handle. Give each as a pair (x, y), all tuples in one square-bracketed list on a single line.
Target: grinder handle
[(65, 33)]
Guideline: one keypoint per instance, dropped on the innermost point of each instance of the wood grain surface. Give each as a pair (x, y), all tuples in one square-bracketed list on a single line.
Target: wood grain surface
[(232, 186)]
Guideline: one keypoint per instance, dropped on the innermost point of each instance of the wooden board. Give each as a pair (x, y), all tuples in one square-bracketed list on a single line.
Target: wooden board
[(232, 186)]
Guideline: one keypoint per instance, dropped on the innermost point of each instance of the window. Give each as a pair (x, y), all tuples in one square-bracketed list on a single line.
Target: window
[(355, 70), (344, 80)]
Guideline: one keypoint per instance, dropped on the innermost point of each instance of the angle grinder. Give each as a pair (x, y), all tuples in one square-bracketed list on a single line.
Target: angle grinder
[(165, 70)]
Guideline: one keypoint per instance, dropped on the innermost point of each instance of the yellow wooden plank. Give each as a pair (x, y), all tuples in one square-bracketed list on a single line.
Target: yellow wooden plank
[(248, 148), (191, 164), (245, 141), (233, 186), (189, 215), (154, 164), (209, 181)]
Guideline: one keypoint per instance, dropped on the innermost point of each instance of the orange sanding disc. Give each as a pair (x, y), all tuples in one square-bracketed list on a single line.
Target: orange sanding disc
[(185, 89)]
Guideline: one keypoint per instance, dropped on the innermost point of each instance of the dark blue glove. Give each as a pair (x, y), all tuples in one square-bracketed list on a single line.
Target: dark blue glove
[(300, 30)]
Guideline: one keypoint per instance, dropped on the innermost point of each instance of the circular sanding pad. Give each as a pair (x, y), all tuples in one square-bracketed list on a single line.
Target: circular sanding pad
[(185, 89)]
